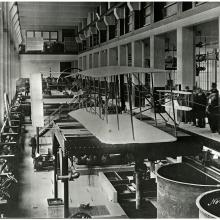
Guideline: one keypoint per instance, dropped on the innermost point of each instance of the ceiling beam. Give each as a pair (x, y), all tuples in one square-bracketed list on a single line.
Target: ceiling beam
[(47, 27), (53, 15), (51, 10), (60, 4), (57, 15), (48, 20), (26, 26)]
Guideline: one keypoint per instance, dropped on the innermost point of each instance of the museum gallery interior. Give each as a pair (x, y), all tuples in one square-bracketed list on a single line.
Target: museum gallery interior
[(109, 109)]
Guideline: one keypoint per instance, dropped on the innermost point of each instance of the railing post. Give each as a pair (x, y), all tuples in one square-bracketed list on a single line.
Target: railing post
[(106, 100), (116, 97), (154, 103), (129, 84), (140, 96), (55, 171), (174, 115), (66, 187), (138, 181)]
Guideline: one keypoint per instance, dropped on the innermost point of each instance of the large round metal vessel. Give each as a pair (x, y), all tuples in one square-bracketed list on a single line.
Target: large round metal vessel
[(208, 204), (178, 186)]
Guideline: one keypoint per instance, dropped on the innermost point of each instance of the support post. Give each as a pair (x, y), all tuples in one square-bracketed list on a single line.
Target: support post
[(37, 137), (153, 95), (122, 92), (106, 100), (100, 98), (207, 72), (87, 90), (174, 115), (55, 201), (94, 94), (116, 97), (55, 173), (138, 181), (111, 90), (90, 93), (66, 187), (140, 95), (130, 102), (138, 189)]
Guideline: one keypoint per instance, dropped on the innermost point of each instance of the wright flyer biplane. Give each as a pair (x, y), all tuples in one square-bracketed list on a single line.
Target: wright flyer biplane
[(109, 119)]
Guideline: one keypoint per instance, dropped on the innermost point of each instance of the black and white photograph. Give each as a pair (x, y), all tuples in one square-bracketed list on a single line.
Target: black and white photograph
[(109, 110)]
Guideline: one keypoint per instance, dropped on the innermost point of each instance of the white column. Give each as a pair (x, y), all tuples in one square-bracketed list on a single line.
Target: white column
[(5, 60), (137, 58), (87, 61), (83, 67), (80, 63), (8, 54), (103, 57), (157, 59), (137, 61), (185, 57), (95, 60), (90, 61), (9, 68), (18, 66), (142, 53), (142, 61), (14, 63), (11, 81), (122, 56), (1, 65), (113, 56), (107, 56), (99, 59), (218, 69), (119, 55)]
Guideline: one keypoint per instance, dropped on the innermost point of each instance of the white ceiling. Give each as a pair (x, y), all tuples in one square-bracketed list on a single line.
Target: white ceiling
[(53, 15)]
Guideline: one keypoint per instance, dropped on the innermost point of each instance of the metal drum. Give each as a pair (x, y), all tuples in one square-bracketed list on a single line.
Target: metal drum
[(178, 186), (208, 204)]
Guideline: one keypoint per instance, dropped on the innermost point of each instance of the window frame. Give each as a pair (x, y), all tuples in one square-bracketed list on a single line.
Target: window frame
[(50, 39)]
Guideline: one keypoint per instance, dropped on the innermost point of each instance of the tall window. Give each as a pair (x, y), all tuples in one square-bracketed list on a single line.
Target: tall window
[(146, 12)]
